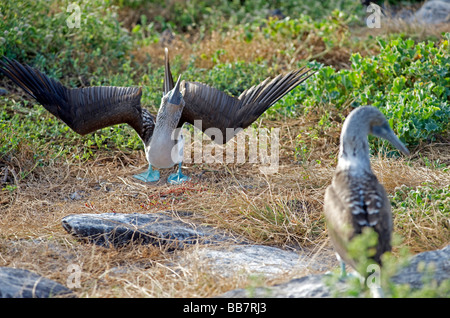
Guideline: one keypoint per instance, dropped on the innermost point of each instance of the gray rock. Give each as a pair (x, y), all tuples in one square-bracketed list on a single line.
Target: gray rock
[(313, 286), (447, 1), (3, 92), (21, 283), (161, 229), (431, 265), (253, 259), (433, 12)]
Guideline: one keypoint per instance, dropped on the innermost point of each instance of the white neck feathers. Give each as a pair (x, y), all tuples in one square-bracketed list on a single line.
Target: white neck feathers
[(354, 145)]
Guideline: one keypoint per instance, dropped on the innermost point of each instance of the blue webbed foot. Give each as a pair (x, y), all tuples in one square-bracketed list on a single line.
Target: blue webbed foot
[(343, 271), (344, 275), (177, 178), (148, 176)]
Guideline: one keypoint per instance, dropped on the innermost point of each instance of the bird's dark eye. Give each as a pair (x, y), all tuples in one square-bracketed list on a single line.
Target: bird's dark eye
[(381, 129)]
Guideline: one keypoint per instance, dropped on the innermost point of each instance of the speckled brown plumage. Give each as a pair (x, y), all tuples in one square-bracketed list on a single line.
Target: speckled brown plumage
[(355, 199)]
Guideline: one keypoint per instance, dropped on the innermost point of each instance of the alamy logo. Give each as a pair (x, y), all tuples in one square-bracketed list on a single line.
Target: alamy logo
[(74, 278), (374, 20), (374, 277), (74, 20), (261, 146)]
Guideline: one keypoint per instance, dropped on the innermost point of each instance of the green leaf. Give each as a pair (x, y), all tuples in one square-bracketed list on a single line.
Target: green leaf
[(136, 28)]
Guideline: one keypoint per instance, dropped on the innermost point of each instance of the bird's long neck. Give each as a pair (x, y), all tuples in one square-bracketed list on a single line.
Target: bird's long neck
[(166, 122), (166, 143), (354, 146)]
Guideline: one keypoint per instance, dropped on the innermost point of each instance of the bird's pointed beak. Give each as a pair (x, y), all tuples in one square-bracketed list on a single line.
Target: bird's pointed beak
[(393, 139), (174, 96), (388, 134)]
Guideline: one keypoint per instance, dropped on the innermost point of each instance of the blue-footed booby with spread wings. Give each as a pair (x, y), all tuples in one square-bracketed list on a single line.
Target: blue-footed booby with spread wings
[(88, 109)]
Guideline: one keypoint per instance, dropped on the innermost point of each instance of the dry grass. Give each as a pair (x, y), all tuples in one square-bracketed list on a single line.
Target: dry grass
[(281, 53), (283, 209)]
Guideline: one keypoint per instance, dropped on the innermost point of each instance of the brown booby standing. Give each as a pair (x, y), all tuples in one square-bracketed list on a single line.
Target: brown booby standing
[(355, 199), (86, 110)]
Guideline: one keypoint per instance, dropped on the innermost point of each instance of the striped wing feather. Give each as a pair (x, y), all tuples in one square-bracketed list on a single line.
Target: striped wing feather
[(84, 110), (220, 110), (354, 203)]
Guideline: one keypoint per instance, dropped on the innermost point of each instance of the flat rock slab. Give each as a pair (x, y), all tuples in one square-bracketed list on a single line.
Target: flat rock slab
[(431, 265), (21, 283), (253, 259), (161, 229), (312, 286), (434, 12)]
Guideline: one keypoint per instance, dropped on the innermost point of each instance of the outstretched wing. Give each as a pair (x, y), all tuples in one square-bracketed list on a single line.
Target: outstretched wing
[(85, 110), (217, 109)]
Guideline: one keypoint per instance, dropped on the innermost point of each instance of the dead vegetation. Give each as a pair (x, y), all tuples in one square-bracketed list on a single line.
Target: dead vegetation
[(282, 209), (234, 48)]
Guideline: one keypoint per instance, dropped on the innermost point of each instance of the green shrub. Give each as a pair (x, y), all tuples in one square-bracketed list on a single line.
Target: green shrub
[(424, 197), (222, 15), (409, 82), (38, 33)]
